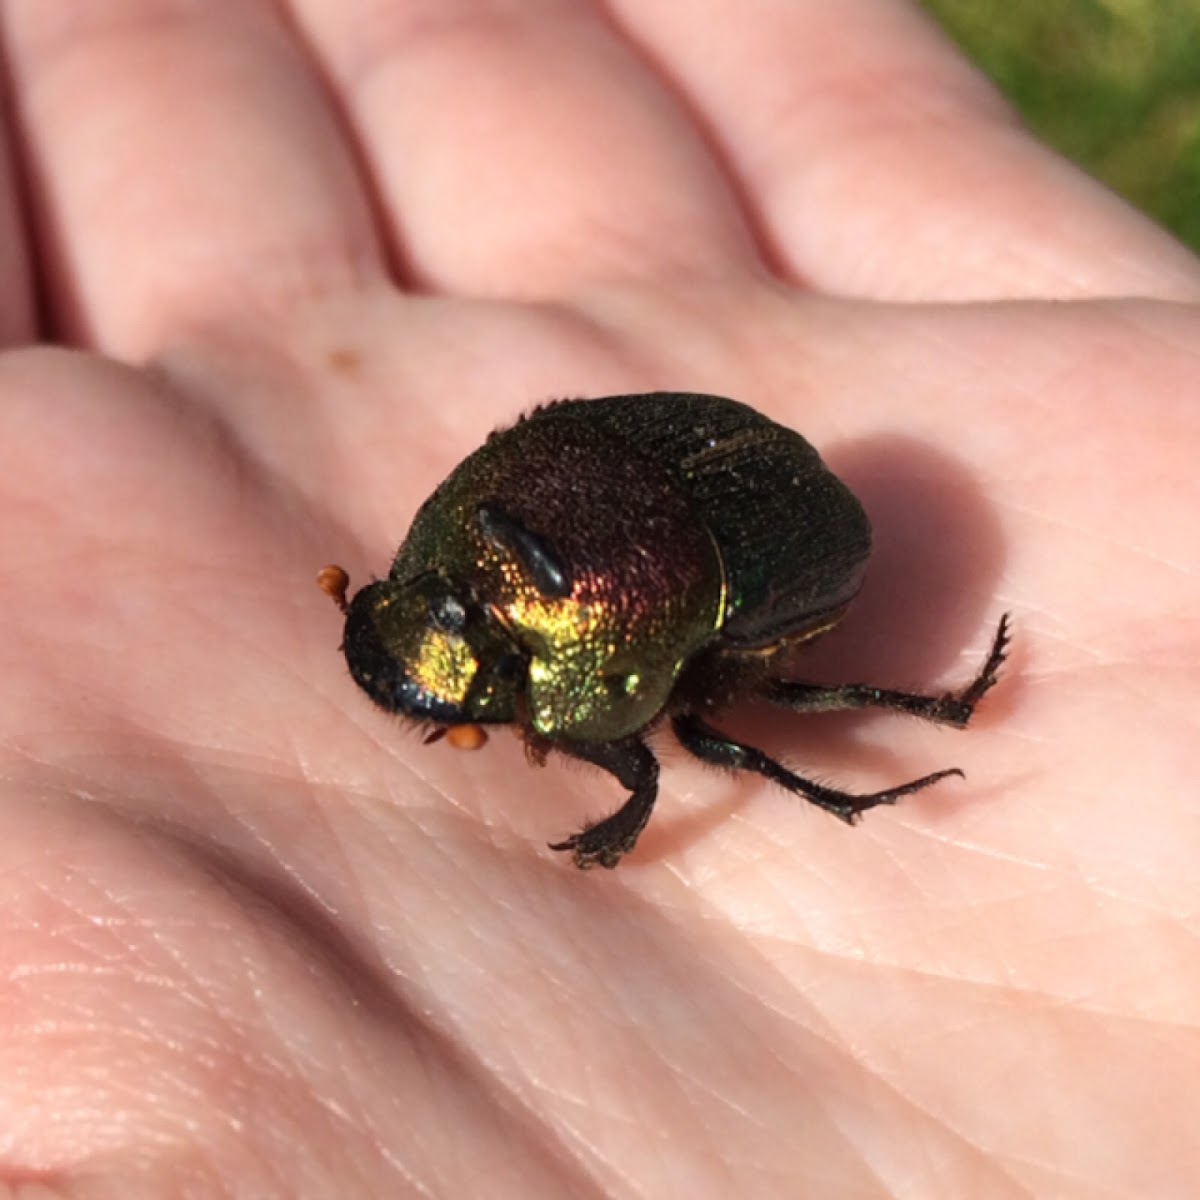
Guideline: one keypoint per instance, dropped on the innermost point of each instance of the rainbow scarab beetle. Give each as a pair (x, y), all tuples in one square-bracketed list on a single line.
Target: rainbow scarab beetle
[(603, 566)]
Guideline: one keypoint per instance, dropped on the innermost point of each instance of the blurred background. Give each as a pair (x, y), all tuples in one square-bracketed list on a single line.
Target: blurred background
[(1113, 84)]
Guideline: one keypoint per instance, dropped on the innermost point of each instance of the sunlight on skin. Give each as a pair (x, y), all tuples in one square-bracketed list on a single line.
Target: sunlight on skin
[(257, 938)]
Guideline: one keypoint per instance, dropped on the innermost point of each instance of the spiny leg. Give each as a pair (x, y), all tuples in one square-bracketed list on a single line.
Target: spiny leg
[(953, 708), (712, 746), (635, 767)]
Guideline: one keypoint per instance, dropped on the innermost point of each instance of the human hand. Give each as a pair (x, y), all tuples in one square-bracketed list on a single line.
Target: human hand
[(260, 941)]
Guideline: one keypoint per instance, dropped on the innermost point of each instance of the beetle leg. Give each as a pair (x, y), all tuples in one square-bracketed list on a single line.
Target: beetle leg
[(635, 767), (952, 708), (712, 746)]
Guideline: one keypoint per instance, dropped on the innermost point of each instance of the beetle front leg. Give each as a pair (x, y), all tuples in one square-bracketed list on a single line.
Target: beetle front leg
[(635, 767), (712, 746), (953, 708)]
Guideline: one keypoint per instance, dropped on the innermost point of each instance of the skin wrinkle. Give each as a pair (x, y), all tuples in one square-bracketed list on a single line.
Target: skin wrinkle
[(372, 986), (836, 1040), (340, 412)]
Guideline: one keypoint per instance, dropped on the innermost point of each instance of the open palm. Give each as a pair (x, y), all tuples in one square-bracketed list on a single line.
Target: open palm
[(257, 940)]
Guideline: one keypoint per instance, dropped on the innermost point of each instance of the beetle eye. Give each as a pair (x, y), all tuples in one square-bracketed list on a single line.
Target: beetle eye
[(448, 613)]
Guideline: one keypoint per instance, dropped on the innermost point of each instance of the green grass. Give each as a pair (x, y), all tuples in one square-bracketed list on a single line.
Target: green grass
[(1113, 84)]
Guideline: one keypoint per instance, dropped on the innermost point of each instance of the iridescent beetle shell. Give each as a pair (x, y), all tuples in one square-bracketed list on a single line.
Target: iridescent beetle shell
[(604, 564)]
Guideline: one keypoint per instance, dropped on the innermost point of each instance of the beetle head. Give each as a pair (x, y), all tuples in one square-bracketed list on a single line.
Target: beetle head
[(421, 649)]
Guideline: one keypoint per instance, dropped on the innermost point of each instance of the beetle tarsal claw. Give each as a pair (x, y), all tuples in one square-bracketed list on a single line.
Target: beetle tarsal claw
[(588, 853)]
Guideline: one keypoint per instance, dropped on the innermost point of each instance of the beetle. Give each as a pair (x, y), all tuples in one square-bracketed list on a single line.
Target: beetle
[(606, 565)]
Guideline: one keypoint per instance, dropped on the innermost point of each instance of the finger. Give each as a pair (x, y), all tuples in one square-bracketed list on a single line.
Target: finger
[(877, 162), (186, 167), (17, 305), (522, 148)]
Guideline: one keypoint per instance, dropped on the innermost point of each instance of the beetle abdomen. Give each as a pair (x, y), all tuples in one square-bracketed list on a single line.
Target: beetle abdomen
[(793, 539)]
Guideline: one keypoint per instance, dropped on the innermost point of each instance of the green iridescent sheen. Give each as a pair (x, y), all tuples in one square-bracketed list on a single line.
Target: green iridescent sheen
[(646, 585), (607, 566)]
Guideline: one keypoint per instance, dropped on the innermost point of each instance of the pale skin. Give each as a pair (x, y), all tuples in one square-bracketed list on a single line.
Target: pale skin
[(255, 939)]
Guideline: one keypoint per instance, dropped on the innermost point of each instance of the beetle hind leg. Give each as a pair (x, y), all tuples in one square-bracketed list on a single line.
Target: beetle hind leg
[(711, 746), (951, 708), (606, 842)]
